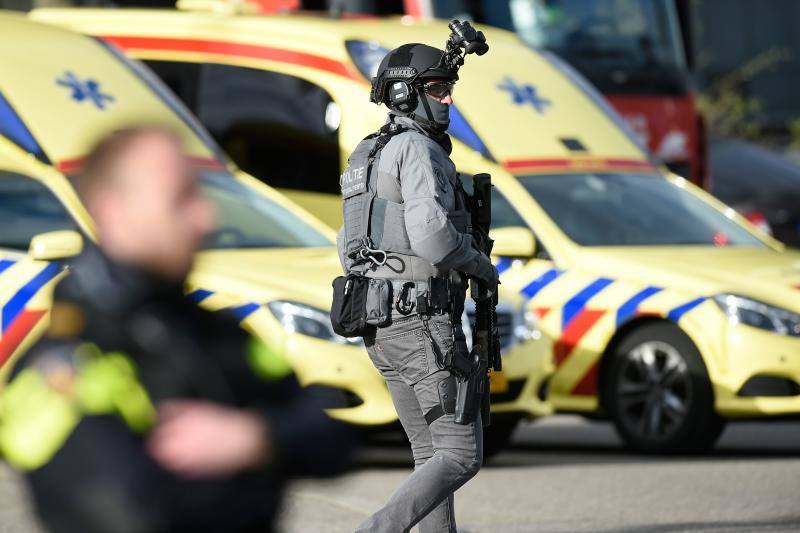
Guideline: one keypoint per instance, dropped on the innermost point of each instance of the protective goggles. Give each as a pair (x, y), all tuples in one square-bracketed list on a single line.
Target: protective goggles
[(439, 89)]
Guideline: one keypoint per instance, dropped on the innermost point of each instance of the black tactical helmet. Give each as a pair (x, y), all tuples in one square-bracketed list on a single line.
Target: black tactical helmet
[(410, 64)]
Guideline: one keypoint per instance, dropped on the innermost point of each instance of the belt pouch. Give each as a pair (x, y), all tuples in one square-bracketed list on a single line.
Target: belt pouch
[(379, 302), (439, 294), (349, 306)]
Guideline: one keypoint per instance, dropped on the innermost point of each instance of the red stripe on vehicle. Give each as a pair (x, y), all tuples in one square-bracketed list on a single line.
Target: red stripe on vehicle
[(71, 166), (587, 386), (235, 50), (574, 332), (17, 332), (518, 165), (541, 311)]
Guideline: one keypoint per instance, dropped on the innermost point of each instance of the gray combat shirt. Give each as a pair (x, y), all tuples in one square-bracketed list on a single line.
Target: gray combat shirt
[(416, 171)]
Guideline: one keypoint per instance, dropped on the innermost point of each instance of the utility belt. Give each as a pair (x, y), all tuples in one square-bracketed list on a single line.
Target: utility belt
[(430, 297), (361, 304)]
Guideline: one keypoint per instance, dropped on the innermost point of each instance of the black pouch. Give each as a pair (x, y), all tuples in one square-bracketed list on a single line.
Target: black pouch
[(349, 307), (379, 302)]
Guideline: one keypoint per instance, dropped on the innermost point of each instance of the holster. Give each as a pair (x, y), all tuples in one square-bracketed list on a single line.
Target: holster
[(473, 395)]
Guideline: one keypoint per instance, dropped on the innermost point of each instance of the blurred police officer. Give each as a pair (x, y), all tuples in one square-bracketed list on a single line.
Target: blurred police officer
[(138, 411), (416, 234)]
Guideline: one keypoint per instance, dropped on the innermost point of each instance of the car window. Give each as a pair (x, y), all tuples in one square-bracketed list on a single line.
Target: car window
[(628, 209), (743, 171), (157, 86), (28, 208), (247, 219), (282, 129)]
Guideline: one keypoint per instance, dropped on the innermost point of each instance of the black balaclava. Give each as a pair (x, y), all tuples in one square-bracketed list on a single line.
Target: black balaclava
[(431, 114)]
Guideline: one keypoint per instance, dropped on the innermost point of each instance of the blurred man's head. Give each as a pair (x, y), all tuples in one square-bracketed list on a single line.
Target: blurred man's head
[(145, 199)]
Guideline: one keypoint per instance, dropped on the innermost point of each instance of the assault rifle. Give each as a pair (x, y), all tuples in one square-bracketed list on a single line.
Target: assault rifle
[(473, 389)]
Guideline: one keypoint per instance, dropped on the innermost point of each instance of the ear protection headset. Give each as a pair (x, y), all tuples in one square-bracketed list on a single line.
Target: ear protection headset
[(396, 85), (402, 96)]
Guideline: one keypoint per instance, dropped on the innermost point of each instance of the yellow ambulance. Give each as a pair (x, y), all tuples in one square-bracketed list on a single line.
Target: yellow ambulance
[(662, 308), (269, 262)]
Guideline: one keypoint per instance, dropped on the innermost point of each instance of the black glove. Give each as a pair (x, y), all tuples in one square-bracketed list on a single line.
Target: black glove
[(488, 274)]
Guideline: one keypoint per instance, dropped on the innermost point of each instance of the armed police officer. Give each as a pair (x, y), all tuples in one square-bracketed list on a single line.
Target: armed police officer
[(138, 411), (407, 251)]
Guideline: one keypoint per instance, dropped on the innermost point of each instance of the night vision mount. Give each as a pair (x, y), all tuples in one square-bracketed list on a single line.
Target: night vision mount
[(463, 40)]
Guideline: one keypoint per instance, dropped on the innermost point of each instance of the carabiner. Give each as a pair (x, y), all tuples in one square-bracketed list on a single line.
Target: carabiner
[(370, 254)]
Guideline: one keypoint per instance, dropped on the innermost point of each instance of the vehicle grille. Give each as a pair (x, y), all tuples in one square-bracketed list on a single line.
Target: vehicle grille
[(515, 387), (505, 327)]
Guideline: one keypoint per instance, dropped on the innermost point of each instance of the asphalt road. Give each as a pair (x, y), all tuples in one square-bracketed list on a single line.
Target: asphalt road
[(564, 474)]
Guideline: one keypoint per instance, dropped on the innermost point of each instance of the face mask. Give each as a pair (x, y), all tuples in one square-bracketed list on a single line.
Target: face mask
[(440, 112), (439, 115)]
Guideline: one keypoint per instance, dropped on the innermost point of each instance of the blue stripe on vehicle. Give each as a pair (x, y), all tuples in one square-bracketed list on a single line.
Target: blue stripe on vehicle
[(199, 295), (628, 309), (12, 127), (681, 310), (461, 130), (17, 303), (503, 264), (576, 304), (532, 289), (243, 311), (5, 263)]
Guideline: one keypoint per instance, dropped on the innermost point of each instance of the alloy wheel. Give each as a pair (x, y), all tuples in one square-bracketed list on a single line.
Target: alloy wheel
[(653, 390)]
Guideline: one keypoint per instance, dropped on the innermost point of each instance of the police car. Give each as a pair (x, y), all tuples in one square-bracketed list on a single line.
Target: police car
[(270, 262), (661, 308)]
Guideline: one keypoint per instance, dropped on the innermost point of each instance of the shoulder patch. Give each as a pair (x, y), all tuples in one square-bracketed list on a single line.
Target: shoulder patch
[(67, 320)]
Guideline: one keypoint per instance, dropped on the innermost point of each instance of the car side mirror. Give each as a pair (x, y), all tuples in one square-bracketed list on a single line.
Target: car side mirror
[(55, 245), (515, 241)]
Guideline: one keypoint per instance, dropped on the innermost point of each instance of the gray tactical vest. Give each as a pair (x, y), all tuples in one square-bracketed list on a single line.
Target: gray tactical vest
[(374, 227)]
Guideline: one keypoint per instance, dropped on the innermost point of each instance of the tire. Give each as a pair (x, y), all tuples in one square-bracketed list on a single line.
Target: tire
[(658, 392), (497, 436)]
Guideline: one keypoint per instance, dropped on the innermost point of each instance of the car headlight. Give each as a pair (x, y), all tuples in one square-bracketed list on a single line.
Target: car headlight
[(306, 320), (526, 326), (759, 315), (367, 56), (513, 325)]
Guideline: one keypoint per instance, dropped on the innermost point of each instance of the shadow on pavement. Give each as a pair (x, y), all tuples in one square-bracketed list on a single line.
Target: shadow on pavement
[(783, 524), (570, 440)]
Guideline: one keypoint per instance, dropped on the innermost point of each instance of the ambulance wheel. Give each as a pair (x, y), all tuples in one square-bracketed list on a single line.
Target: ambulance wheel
[(658, 393), (498, 435)]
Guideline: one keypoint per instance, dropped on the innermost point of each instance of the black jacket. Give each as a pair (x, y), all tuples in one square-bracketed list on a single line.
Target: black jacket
[(100, 477)]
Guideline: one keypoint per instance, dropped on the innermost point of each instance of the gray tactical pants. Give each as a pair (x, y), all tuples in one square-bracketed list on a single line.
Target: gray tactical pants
[(446, 454)]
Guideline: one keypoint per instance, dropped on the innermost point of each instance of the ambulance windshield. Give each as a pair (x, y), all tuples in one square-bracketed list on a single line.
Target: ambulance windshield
[(632, 210), (247, 219)]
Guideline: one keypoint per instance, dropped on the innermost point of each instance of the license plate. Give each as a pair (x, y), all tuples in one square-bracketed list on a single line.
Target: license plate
[(498, 382)]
